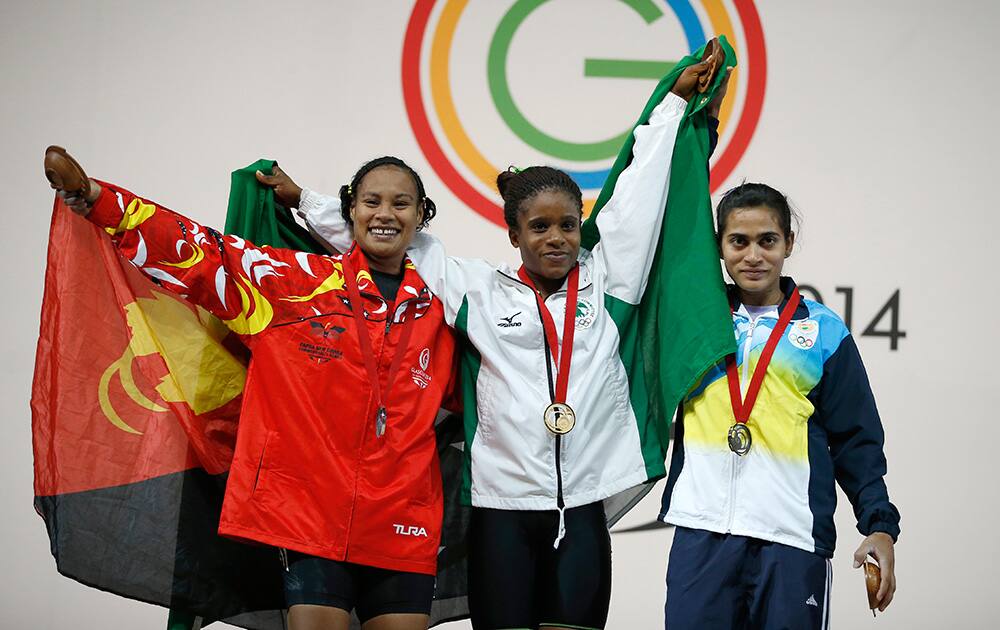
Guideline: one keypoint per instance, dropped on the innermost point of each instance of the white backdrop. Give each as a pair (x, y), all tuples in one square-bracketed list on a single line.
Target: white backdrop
[(877, 120)]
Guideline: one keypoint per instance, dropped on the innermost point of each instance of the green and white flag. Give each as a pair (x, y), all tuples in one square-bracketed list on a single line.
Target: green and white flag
[(682, 325)]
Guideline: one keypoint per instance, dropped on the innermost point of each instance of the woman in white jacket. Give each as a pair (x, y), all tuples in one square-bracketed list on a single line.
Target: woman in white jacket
[(550, 424)]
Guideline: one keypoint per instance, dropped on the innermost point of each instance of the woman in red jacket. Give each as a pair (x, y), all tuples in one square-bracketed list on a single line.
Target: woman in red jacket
[(335, 461)]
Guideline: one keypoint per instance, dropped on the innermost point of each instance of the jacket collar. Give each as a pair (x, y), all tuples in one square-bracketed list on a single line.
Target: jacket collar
[(586, 276), (366, 285), (786, 284)]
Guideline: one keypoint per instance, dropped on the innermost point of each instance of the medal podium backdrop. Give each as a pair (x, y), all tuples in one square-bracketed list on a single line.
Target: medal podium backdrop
[(876, 119)]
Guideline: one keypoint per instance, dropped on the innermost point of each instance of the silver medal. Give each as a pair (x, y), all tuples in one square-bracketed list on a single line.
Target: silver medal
[(380, 421)]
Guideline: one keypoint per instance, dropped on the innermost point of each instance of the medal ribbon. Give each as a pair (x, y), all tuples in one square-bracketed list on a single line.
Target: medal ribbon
[(742, 408), (562, 355), (351, 280)]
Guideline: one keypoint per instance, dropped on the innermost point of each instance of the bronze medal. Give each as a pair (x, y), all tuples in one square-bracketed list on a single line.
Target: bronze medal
[(739, 438), (559, 418)]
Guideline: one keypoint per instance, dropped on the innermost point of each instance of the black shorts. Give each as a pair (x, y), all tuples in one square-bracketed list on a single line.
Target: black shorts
[(517, 580), (372, 591)]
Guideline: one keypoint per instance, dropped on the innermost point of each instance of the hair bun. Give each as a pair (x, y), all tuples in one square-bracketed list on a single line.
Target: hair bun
[(504, 180)]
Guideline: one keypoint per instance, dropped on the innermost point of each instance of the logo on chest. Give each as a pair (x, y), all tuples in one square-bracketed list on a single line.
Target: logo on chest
[(323, 334), (585, 314), (419, 375), (803, 334), (509, 321)]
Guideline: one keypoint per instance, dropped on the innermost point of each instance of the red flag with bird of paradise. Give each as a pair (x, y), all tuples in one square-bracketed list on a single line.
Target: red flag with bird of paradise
[(135, 403)]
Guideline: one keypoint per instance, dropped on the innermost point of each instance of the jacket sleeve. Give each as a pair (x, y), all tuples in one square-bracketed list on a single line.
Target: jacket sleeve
[(630, 223), (856, 439), (448, 277), (226, 275), (322, 215)]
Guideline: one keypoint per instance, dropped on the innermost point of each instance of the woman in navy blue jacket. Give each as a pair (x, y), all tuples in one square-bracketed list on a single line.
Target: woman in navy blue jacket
[(760, 441)]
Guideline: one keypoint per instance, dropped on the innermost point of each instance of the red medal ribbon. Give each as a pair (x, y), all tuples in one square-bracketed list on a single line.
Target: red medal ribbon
[(351, 280), (742, 408), (562, 355)]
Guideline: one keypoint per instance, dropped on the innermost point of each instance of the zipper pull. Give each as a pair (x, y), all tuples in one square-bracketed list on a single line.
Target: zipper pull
[(388, 322)]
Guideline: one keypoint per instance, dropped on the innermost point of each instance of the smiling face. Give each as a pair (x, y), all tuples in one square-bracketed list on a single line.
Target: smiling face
[(754, 248), (386, 213), (548, 235)]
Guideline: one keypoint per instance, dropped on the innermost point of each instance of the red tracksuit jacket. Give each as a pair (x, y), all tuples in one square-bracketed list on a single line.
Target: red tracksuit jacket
[(309, 472)]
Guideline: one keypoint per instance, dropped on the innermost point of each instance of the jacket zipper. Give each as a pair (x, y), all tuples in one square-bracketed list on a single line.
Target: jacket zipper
[(560, 503), (734, 458), (354, 500)]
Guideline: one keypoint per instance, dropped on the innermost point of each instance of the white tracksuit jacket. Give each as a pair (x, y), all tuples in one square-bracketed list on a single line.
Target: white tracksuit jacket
[(511, 458)]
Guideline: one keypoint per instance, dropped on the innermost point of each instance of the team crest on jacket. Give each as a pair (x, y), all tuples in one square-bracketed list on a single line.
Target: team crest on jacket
[(319, 351), (419, 375), (585, 313), (803, 334)]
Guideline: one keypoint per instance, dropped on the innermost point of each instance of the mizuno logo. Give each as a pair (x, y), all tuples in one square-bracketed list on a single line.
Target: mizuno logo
[(410, 530), (508, 322)]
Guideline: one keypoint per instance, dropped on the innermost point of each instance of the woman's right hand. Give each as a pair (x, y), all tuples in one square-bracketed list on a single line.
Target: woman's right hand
[(76, 202), (687, 84), (71, 183), (286, 192)]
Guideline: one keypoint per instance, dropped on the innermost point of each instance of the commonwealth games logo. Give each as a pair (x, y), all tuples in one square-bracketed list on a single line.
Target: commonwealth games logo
[(560, 82)]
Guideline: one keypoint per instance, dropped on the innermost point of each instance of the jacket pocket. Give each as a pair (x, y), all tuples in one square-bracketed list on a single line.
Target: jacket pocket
[(261, 465)]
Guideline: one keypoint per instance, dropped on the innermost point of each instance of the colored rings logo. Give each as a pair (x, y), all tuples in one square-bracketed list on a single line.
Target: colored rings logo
[(429, 49)]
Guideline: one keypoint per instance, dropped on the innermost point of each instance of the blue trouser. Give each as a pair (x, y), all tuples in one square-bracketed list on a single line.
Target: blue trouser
[(726, 582)]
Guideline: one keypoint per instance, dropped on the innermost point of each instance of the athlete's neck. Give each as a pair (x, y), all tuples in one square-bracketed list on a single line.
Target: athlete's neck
[(545, 286), (768, 297), (392, 265)]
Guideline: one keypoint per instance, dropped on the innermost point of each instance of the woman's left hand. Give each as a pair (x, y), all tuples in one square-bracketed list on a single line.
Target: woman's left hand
[(881, 547)]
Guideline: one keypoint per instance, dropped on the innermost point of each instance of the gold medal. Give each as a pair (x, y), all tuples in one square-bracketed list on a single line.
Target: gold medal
[(740, 438), (559, 418)]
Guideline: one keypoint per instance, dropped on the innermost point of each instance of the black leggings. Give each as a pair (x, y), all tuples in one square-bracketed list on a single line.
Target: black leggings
[(517, 579), (369, 590)]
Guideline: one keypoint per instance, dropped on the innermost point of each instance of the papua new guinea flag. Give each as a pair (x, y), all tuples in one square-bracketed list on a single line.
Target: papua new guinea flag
[(134, 404)]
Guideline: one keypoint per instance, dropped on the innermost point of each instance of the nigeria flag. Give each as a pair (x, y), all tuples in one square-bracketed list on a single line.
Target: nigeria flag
[(682, 326)]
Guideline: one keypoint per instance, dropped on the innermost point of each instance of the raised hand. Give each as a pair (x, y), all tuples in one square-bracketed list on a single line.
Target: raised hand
[(286, 192), (66, 176), (698, 77)]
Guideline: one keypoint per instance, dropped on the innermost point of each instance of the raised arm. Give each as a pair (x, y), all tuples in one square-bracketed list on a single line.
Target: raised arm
[(241, 284), (627, 223), (631, 221), (324, 219)]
